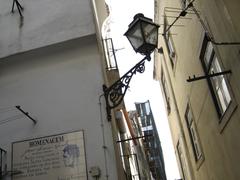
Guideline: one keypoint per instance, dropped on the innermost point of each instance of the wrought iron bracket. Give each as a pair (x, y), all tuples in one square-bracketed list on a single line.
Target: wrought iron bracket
[(194, 78), (115, 93), (19, 7)]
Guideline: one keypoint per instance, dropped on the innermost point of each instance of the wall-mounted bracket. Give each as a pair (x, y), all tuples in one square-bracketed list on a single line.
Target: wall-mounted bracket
[(19, 7), (130, 139), (194, 78), (181, 14), (184, 12), (115, 93), (26, 114)]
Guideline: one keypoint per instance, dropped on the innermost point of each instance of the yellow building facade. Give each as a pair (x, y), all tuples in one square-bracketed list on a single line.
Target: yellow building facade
[(197, 66)]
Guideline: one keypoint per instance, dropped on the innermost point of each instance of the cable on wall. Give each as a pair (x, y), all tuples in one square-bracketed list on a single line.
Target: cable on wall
[(6, 110), (103, 136), (13, 118)]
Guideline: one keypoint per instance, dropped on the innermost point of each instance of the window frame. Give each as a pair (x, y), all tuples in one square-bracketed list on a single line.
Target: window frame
[(199, 159), (223, 114), (182, 161), (166, 93), (169, 44), (184, 3)]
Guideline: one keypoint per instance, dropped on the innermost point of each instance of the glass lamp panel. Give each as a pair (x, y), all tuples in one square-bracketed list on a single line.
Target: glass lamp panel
[(150, 33), (134, 35)]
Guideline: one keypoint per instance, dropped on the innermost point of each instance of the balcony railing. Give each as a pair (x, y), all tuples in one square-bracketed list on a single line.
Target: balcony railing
[(110, 55)]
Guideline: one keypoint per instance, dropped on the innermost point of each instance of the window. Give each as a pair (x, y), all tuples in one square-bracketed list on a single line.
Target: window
[(184, 3), (193, 133), (218, 84), (165, 92), (181, 158), (169, 44)]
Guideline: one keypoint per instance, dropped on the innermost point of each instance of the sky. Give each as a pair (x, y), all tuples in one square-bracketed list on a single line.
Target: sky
[(142, 86)]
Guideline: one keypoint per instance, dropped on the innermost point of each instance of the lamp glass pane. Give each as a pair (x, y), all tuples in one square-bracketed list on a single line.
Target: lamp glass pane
[(150, 33), (134, 35)]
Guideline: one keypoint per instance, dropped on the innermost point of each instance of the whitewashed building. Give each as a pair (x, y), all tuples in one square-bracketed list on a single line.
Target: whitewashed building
[(52, 68)]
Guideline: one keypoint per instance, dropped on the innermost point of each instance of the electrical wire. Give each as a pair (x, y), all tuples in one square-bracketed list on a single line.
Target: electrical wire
[(182, 13), (13, 118), (7, 109), (204, 26)]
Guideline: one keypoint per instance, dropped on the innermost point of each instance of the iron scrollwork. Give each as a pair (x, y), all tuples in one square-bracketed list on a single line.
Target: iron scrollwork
[(115, 93)]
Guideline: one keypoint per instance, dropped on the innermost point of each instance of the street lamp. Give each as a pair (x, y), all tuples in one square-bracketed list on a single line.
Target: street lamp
[(143, 36)]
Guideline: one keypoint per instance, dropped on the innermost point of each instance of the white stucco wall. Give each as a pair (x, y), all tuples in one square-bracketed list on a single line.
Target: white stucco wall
[(45, 22), (60, 86)]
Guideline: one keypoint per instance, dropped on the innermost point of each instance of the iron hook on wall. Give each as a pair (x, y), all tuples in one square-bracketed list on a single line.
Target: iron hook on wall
[(26, 114), (213, 74), (19, 7)]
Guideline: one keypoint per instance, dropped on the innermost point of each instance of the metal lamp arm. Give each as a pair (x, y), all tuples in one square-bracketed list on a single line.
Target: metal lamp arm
[(115, 93)]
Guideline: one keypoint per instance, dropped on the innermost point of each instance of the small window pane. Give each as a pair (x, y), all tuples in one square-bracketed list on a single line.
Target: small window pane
[(189, 117), (170, 45), (167, 34), (208, 54), (193, 134), (226, 91), (184, 3), (215, 65), (197, 150), (220, 87), (165, 92), (150, 33), (221, 100), (135, 36)]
